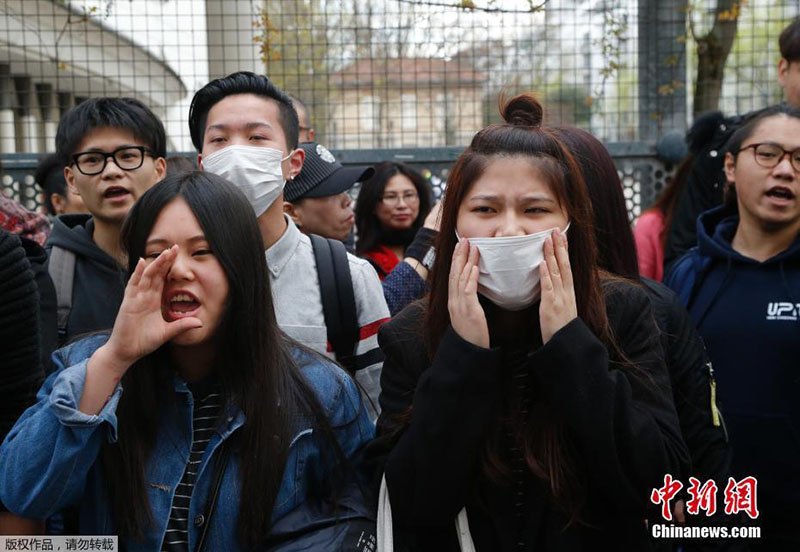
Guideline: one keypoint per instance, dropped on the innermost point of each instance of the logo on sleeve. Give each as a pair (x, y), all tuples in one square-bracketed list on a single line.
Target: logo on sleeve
[(783, 311)]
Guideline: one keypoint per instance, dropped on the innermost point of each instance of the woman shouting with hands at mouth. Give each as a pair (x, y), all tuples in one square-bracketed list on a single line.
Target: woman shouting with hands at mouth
[(529, 388), (195, 425)]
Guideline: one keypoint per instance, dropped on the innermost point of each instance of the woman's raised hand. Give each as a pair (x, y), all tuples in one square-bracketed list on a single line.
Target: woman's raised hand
[(558, 306), (466, 313), (140, 327)]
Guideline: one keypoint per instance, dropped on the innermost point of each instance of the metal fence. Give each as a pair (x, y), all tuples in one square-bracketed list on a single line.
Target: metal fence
[(643, 175), (403, 77), (388, 73)]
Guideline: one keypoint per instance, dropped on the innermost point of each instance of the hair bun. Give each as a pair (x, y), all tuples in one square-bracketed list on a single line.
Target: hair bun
[(522, 110)]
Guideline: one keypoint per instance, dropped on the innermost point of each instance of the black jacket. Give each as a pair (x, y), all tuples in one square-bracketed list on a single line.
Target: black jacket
[(20, 368), (691, 377), (48, 322), (99, 282), (705, 182), (621, 423)]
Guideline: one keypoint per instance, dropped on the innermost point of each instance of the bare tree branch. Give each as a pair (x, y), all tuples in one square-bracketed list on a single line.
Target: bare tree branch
[(470, 5)]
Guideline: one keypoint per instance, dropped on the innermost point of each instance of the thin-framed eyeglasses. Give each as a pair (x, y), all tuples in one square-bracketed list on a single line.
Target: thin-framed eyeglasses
[(392, 200), (769, 155), (127, 158)]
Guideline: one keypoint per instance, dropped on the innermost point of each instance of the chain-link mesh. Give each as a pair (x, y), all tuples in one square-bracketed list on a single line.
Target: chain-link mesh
[(396, 74)]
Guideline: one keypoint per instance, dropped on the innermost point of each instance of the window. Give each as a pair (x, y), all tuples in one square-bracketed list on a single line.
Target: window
[(408, 104)]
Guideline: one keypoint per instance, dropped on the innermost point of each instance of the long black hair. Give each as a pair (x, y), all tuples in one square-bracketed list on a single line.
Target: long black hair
[(616, 248), (549, 453), (255, 368), (371, 192)]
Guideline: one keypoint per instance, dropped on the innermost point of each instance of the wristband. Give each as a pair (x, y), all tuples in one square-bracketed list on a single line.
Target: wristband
[(422, 246)]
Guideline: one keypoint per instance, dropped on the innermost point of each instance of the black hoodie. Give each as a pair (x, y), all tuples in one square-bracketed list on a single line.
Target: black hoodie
[(99, 282)]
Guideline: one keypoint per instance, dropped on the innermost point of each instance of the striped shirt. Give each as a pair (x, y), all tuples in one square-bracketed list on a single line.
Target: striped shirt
[(207, 405), (298, 306)]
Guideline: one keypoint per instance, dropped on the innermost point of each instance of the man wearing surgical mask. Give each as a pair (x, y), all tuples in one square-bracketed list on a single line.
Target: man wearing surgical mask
[(246, 130)]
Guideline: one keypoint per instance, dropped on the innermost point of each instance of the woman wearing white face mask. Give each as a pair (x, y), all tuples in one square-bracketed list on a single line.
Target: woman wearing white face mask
[(528, 388)]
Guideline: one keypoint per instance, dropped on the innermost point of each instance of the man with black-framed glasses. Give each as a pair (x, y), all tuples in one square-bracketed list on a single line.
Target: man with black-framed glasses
[(741, 287), (113, 151)]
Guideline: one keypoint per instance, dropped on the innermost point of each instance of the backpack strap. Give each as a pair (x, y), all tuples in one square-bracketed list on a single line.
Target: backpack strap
[(338, 298), (62, 271)]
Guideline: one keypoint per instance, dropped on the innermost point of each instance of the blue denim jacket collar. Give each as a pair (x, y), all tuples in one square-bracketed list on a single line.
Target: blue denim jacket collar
[(235, 417)]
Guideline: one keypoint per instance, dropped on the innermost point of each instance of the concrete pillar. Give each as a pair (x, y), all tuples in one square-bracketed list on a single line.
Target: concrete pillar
[(65, 102), (229, 33), (8, 135), (48, 104), (662, 67), (29, 138)]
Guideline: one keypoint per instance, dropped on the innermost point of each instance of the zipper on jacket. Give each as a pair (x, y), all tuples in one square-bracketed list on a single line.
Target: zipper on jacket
[(715, 418)]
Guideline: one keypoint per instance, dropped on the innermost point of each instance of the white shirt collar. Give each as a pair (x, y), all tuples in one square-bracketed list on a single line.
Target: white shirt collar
[(281, 252)]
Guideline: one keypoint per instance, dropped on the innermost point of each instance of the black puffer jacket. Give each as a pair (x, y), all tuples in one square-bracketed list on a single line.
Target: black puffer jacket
[(692, 378), (437, 416), (703, 432)]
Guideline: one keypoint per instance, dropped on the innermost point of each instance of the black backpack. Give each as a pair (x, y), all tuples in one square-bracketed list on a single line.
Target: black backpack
[(338, 299), (62, 271)]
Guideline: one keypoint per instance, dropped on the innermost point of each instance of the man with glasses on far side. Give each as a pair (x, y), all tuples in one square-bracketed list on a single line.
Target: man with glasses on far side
[(307, 132), (113, 151), (741, 286)]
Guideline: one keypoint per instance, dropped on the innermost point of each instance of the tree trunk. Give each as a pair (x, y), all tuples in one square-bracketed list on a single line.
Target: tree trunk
[(712, 53)]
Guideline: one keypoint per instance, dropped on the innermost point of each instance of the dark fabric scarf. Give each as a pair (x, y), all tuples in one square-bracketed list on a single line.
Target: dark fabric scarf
[(398, 237)]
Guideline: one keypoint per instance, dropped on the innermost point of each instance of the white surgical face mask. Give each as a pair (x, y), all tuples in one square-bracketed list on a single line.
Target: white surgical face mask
[(255, 171), (509, 268)]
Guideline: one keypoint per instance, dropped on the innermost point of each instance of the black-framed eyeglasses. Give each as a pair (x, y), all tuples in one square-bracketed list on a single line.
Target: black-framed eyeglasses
[(769, 155), (127, 158)]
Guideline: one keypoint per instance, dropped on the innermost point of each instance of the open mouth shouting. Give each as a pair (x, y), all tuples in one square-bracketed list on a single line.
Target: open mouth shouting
[(180, 304), (780, 194), (116, 193)]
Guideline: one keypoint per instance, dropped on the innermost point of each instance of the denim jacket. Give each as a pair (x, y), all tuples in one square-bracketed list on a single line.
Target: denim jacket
[(50, 457)]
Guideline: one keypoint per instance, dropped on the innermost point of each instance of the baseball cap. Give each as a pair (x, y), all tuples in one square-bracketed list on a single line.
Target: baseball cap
[(322, 175)]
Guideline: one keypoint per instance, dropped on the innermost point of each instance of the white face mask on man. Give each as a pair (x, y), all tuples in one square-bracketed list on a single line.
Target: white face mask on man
[(509, 268), (255, 171)]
